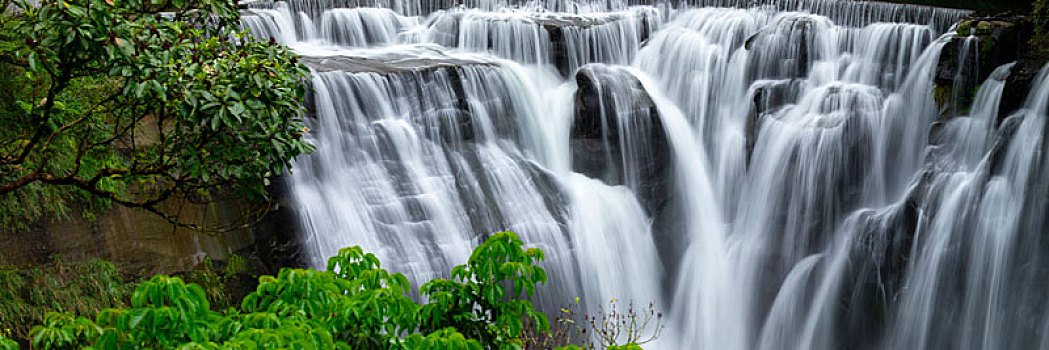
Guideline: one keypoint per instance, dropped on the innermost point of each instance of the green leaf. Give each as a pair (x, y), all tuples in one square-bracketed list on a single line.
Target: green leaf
[(34, 62)]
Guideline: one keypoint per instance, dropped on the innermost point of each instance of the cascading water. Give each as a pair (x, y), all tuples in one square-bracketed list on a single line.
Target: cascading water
[(771, 174)]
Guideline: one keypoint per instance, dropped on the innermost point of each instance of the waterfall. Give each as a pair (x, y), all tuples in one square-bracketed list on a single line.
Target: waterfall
[(772, 174)]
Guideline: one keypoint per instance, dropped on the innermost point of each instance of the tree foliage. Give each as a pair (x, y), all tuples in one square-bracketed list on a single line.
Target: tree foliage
[(1040, 13), (139, 101), (353, 304)]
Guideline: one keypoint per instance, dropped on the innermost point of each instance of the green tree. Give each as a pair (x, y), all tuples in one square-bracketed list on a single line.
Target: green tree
[(486, 299), (136, 102)]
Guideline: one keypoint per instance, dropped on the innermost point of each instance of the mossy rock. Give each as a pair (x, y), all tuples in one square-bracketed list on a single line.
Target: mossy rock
[(988, 27), (964, 28), (998, 40)]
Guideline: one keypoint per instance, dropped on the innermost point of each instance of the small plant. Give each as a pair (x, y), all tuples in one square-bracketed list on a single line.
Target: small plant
[(631, 329), (564, 331), (236, 264)]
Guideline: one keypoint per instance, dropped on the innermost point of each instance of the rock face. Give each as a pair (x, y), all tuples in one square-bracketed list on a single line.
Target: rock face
[(142, 243), (617, 135), (979, 46)]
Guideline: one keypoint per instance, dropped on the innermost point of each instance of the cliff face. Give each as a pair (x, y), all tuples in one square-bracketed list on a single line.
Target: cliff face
[(142, 243)]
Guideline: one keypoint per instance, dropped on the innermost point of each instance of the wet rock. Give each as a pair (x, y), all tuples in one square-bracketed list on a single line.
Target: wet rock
[(564, 40), (1000, 148), (1018, 85), (560, 32), (979, 46), (870, 285), (768, 97), (279, 240), (617, 135), (783, 49)]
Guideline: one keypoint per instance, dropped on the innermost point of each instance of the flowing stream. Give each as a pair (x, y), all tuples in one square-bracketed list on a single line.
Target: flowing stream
[(770, 174)]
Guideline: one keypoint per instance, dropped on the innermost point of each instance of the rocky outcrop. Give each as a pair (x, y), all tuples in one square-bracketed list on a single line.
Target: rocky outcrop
[(617, 135), (979, 46), (1018, 85)]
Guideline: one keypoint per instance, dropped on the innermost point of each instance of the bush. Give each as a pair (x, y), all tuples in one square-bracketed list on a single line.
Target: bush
[(26, 295), (353, 304)]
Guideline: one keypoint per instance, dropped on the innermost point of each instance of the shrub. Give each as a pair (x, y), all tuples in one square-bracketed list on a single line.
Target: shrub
[(26, 295), (353, 304)]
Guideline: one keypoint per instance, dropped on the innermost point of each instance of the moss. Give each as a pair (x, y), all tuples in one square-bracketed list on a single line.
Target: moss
[(965, 28), (984, 28), (986, 48)]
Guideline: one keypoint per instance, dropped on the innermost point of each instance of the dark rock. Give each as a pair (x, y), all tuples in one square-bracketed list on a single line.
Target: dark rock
[(617, 135), (783, 50), (769, 98), (1000, 148), (1018, 85), (880, 256), (279, 241), (555, 27)]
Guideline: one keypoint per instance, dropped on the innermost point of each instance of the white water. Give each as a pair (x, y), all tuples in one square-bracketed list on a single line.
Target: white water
[(772, 177)]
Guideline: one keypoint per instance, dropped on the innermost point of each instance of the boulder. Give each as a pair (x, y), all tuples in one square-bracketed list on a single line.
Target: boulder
[(557, 27), (768, 97), (617, 134)]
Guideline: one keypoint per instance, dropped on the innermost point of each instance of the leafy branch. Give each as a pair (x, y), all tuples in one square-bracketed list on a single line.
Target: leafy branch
[(125, 105)]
